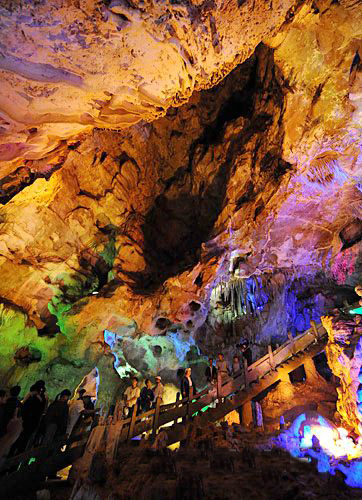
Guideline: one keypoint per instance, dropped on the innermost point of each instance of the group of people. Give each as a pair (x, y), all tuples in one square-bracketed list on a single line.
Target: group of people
[(222, 367), (31, 421), (142, 399), (146, 398)]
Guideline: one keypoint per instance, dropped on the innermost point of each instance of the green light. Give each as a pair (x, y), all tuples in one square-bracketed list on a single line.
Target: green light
[(31, 460), (358, 310)]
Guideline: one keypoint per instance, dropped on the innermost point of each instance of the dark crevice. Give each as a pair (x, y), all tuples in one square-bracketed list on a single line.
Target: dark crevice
[(175, 227)]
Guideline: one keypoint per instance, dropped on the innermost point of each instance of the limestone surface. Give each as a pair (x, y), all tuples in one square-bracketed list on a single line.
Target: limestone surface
[(123, 210)]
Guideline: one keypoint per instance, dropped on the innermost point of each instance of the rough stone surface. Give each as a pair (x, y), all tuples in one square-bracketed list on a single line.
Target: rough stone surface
[(344, 352), (130, 231), (67, 67)]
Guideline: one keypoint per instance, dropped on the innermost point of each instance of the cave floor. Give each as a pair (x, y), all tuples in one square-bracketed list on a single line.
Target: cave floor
[(216, 463)]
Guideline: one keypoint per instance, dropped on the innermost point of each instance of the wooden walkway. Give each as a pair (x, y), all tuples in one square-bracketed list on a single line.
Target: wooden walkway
[(113, 431), (234, 393)]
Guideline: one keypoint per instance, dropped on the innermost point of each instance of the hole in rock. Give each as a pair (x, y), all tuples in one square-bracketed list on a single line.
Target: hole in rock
[(157, 350), (298, 375), (162, 323), (26, 355), (194, 306), (351, 233), (198, 280), (321, 364)]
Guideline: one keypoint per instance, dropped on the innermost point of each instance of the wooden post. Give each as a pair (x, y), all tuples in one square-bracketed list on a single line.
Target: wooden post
[(246, 381), (271, 357), (155, 417), (315, 329), (218, 387), (178, 395), (132, 423), (291, 340)]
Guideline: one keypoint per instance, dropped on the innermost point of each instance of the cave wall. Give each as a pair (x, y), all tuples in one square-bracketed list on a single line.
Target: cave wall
[(130, 231)]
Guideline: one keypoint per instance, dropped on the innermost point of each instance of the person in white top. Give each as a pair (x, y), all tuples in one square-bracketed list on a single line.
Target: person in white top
[(131, 395), (222, 368), (76, 407), (188, 388), (158, 390)]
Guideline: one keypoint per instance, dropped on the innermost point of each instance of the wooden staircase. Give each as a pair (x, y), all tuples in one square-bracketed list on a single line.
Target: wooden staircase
[(113, 431)]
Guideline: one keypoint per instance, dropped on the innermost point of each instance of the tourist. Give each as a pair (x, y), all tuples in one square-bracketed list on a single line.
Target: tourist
[(246, 352), (131, 395), (235, 368), (188, 387), (12, 433), (76, 407), (56, 418), (11, 404), (34, 405), (222, 368), (158, 390), (146, 397), (211, 372)]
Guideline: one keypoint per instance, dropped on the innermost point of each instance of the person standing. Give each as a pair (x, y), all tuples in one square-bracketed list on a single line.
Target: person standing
[(188, 387), (12, 403), (146, 397), (131, 395), (158, 390), (235, 368), (211, 372), (34, 405), (8, 440), (222, 369), (246, 352), (56, 418)]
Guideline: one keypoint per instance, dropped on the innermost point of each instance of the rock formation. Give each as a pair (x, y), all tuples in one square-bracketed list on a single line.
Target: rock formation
[(344, 353), (123, 210)]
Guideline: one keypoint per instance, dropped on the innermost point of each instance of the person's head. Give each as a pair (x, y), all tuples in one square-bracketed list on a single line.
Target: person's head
[(15, 391), (87, 400), (158, 379), (211, 361), (188, 372), (81, 393), (235, 359), (134, 381), (220, 356), (2, 396), (65, 395), (148, 383), (39, 386)]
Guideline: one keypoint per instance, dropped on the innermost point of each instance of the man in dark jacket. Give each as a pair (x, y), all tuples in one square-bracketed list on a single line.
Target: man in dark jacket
[(11, 404), (56, 418), (188, 387), (211, 372), (146, 397)]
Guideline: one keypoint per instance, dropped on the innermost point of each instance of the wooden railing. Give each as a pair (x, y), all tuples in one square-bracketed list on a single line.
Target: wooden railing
[(118, 429), (171, 413)]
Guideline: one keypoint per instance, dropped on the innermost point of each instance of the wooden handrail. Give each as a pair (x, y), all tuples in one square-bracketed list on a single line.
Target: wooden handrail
[(163, 414)]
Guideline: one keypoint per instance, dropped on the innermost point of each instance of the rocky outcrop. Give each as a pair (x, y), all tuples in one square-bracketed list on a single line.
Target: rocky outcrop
[(67, 67), (129, 231), (344, 353)]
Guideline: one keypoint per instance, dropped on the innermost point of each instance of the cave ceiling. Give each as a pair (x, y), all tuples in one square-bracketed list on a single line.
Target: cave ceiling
[(145, 146)]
